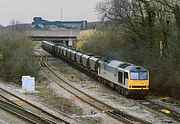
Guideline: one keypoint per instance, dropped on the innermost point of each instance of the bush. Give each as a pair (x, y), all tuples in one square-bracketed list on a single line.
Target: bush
[(104, 41), (17, 58), (84, 37)]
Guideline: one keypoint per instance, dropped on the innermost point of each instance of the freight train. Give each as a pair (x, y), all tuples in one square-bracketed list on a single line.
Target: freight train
[(126, 78)]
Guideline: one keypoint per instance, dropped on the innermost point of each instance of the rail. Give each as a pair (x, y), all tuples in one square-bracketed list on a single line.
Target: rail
[(27, 115), (103, 107), (157, 107)]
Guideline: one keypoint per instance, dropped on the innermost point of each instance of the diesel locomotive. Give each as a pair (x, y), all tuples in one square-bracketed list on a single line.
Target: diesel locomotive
[(126, 78)]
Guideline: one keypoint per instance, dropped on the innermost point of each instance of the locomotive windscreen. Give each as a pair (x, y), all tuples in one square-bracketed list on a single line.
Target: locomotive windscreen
[(139, 75)]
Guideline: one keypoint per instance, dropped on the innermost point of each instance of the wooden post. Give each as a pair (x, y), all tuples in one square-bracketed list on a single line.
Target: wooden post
[(161, 48)]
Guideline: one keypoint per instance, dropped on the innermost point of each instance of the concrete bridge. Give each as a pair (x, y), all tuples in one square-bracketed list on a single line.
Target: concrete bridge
[(66, 37)]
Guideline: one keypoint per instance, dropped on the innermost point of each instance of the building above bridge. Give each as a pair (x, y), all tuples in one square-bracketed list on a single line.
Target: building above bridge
[(40, 23)]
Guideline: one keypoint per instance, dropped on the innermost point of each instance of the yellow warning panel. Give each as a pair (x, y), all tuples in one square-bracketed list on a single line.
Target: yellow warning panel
[(165, 111)]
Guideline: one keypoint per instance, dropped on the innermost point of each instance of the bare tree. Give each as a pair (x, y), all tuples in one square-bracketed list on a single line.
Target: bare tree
[(114, 10)]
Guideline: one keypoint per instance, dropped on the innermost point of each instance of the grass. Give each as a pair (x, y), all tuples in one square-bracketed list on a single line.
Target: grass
[(60, 103)]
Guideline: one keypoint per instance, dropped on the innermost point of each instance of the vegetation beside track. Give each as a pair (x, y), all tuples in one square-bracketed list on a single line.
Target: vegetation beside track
[(145, 33), (49, 97), (52, 98), (16, 55)]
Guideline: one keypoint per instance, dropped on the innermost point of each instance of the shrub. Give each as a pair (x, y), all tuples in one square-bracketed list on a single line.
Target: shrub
[(104, 41), (17, 59)]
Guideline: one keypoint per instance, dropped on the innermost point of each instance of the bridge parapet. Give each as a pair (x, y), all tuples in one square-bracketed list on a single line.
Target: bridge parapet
[(53, 33), (64, 37)]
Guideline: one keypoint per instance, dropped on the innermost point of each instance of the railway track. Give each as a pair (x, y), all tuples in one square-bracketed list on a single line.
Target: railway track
[(159, 108), (24, 114), (103, 107), (25, 105), (174, 114)]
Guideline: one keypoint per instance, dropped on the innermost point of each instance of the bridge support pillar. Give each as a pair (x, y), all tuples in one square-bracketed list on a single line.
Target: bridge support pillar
[(68, 43)]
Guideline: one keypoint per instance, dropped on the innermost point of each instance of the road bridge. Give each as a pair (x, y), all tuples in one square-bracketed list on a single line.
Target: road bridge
[(66, 37)]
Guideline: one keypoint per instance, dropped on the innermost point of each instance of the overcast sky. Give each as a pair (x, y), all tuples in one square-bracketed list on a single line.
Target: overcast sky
[(25, 10)]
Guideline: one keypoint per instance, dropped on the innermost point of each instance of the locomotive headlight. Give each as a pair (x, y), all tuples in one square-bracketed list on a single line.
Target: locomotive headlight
[(130, 86)]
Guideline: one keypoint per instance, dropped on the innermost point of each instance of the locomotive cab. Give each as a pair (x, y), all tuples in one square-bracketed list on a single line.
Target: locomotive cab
[(138, 81)]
